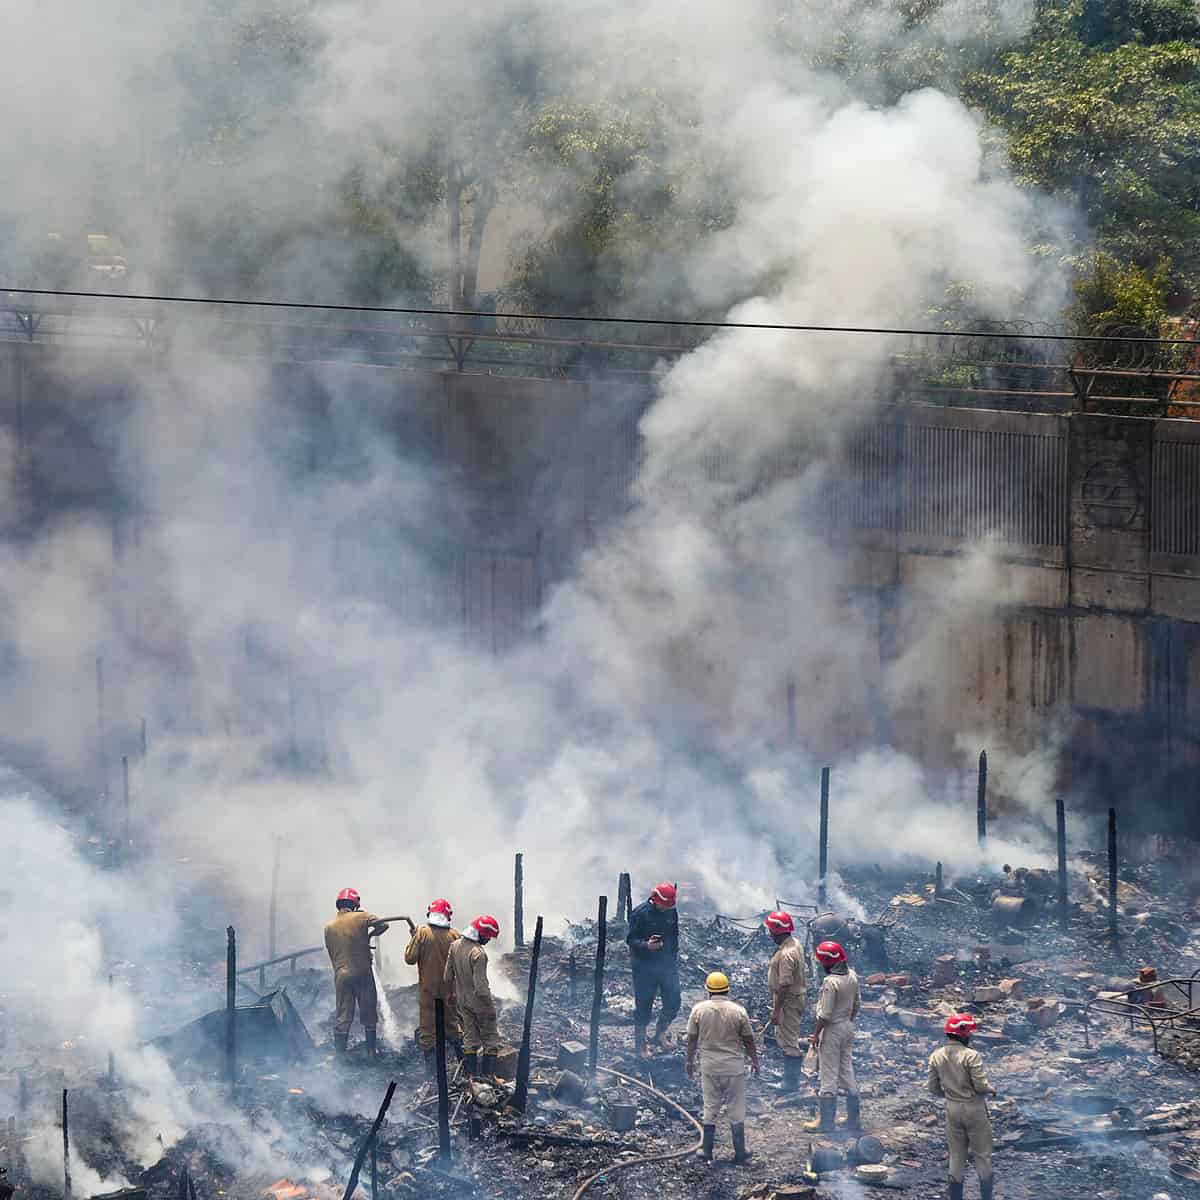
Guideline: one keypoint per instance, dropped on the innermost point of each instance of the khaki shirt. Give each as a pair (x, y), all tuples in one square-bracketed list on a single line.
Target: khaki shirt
[(427, 950), (956, 1072), (466, 973), (720, 1025), (348, 941), (838, 999), (786, 975)]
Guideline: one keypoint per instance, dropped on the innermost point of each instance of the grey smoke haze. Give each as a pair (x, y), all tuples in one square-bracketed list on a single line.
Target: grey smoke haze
[(265, 616)]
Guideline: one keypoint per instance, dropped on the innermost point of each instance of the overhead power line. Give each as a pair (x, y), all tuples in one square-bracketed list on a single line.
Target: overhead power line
[(673, 322)]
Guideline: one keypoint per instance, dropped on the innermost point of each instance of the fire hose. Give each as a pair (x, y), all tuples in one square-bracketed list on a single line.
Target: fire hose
[(645, 1158)]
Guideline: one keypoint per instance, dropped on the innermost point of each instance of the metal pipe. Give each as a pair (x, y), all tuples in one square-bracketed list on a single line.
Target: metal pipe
[(231, 1006), (1060, 814), (1112, 874), (598, 983), (443, 1085), (519, 901), (521, 1097), (66, 1148), (823, 843), (128, 819), (981, 799), (273, 915)]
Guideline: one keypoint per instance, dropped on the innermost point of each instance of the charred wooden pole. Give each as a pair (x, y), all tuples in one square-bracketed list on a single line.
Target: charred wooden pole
[(273, 915), (443, 1084), (368, 1142), (519, 901), (231, 1006), (66, 1148), (623, 899), (1112, 874), (823, 842), (521, 1099), (572, 979), (598, 983), (1060, 813), (981, 813), (938, 884)]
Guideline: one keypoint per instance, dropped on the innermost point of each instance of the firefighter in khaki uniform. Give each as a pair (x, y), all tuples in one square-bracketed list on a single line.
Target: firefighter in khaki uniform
[(956, 1073), (348, 940), (427, 950), (466, 977), (721, 1030), (788, 986), (837, 1009)]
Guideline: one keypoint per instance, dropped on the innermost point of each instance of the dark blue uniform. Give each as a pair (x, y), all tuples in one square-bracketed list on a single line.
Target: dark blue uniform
[(654, 971)]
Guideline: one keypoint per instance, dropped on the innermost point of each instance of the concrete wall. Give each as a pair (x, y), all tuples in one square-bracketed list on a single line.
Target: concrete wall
[(1096, 521)]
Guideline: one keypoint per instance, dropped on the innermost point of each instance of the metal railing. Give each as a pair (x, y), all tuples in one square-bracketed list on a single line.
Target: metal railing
[(1135, 1012), (1021, 365)]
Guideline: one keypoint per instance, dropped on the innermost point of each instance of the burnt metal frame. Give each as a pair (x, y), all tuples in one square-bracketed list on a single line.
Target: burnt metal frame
[(1120, 1005)]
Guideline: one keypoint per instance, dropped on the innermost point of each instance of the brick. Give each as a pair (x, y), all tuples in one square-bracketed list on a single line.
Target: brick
[(988, 995), (572, 1056), (1013, 988)]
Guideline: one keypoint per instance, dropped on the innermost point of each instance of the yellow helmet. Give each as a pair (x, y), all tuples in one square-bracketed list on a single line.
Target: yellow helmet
[(717, 984)]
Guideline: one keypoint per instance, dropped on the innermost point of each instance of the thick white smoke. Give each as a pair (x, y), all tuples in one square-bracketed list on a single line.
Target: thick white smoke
[(249, 610)]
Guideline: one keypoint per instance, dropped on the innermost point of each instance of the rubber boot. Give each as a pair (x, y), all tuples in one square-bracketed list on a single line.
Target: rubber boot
[(661, 1039), (740, 1153), (457, 1046), (985, 1189), (853, 1121), (372, 1044), (487, 1065), (470, 1062), (956, 1190), (639, 1041), (430, 1063), (825, 1122), (706, 1150), (791, 1074), (340, 1042)]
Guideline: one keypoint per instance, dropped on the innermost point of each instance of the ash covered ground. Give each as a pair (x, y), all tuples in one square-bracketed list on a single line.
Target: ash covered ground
[(1085, 1103)]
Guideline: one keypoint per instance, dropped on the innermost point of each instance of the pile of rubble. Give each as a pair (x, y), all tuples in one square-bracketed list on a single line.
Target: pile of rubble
[(1068, 1020)]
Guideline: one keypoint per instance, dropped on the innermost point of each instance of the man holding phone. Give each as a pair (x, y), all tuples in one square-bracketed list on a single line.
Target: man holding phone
[(653, 941)]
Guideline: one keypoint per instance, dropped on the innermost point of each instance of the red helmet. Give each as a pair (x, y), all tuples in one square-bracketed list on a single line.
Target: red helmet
[(664, 895), (829, 954), (349, 894), (439, 912), (961, 1025), (486, 927), (780, 922)]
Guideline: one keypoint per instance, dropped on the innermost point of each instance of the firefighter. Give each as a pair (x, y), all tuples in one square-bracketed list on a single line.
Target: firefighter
[(787, 983), (720, 1029), (465, 977), (956, 1073), (348, 940), (427, 950), (653, 940), (833, 1039)]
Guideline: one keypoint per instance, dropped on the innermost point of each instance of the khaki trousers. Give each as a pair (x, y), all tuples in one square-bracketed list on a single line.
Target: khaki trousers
[(969, 1128), (353, 991), (787, 1032), (724, 1091), (480, 1035), (835, 1061), (427, 1032)]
